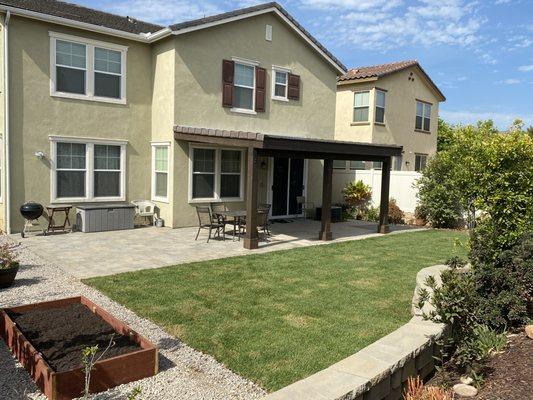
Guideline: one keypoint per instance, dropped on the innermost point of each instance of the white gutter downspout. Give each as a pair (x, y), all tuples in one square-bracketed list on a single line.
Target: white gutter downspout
[(7, 194)]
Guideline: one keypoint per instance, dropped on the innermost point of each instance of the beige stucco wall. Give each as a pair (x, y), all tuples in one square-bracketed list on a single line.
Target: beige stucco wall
[(400, 112), (198, 76), (35, 114), (175, 81)]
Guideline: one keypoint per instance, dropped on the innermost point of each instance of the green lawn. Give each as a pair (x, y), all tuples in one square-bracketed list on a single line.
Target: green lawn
[(279, 317)]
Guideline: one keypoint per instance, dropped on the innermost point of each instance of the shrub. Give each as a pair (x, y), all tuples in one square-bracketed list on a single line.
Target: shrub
[(396, 215), (7, 257), (371, 214), (482, 169), (481, 303), (417, 391), (357, 195)]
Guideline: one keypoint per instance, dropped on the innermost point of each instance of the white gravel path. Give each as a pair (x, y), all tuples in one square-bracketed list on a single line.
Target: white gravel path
[(185, 373)]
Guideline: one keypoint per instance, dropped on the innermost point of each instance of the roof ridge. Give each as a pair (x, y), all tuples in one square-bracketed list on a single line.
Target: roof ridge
[(413, 61)]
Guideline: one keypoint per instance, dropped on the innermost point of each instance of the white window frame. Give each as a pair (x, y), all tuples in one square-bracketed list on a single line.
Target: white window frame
[(89, 169), (425, 156), (367, 106), (424, 105), (248, 63), (156, 145), (89, 68), (218, 160), (285, 71), (376, 106)]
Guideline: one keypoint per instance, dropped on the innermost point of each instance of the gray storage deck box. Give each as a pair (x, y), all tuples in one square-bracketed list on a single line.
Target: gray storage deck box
[(105, 217)]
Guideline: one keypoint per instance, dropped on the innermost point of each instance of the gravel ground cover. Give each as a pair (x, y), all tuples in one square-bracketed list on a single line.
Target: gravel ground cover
[(185, 373)]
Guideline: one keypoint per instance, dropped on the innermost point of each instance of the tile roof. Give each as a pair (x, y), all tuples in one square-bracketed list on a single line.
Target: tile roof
[(84, 14), (378, 71), (131, 25), (249, 10)]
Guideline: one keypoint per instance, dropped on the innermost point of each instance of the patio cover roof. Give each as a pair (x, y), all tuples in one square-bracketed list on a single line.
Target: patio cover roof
[(288, 146)]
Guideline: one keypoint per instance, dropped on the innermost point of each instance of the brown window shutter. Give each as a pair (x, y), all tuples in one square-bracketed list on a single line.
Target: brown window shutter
[(228, 67), (293, 92), (260, 89)]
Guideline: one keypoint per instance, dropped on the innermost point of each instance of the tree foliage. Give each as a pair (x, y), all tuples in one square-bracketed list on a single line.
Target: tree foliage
[(483, 169)]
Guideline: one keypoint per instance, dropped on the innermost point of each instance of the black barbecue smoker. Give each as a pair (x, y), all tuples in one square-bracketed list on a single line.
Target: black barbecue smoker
[(31, 211)]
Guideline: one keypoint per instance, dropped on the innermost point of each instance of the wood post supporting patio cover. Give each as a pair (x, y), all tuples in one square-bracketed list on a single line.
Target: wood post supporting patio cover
[(383, 226), (251, 237), (327, 187)]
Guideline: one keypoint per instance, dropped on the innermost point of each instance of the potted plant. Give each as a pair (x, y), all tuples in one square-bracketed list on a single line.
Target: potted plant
[(9, 266)]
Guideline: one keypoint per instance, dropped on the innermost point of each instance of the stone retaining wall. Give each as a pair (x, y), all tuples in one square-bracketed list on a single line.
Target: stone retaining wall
[(380, 370)]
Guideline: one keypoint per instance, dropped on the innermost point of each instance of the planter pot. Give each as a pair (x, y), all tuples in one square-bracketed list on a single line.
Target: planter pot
[(7, 276)]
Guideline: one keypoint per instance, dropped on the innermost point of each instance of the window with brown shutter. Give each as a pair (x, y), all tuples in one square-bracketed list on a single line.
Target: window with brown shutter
[(260, 89), (228, 67), (293, 92)]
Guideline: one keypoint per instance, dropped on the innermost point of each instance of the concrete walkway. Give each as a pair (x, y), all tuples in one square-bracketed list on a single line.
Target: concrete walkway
[(87, 255)]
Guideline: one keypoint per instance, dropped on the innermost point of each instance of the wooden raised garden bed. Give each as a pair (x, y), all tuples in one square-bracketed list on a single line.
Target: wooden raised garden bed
[(48, 338)]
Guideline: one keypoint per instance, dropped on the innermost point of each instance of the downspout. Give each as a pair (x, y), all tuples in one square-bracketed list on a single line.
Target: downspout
[(7, 174)]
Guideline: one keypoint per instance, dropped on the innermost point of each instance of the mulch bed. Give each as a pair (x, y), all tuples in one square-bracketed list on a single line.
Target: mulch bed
[(508, 375), (61, 334)]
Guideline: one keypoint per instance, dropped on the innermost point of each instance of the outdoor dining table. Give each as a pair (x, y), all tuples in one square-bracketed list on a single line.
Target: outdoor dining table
[(237, 216)]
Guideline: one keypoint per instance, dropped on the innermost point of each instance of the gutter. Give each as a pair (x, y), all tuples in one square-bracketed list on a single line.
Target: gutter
[(7, 203)]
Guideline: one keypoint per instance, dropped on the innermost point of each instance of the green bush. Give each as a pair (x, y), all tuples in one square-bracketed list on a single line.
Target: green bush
[(371, 214), (358, 196), (481, 303), (481, 168)]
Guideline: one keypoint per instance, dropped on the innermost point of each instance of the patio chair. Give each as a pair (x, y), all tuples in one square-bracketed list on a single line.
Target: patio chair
[(263, 220), (145, 209), (206, 220), (304, 206)]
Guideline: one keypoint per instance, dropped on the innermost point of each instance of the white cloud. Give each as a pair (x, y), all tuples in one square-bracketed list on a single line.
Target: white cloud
[(526, 68), (501, 120), (381, 25), (356, 5), (164, 12), (511, 81)]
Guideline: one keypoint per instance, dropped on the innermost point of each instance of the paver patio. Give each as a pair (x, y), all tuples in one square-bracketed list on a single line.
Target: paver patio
[(87, 255)]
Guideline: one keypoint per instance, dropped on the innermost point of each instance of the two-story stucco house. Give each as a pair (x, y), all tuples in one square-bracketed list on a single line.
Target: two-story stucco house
[(236, 108), (389, 103)]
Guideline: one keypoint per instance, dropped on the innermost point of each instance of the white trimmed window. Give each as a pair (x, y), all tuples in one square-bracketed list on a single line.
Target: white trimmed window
[(280, 84), (160, 169), (216, 174), (423, 116), (87, 69), (244, 86), (420, 162), (379, 114), (361, 106), (339, 164), (85, 170)]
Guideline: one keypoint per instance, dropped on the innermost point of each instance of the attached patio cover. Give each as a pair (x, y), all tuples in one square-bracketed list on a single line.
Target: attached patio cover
[(267, 145)]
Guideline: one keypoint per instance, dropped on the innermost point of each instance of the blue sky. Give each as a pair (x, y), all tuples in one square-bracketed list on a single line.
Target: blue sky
[(479, 52)]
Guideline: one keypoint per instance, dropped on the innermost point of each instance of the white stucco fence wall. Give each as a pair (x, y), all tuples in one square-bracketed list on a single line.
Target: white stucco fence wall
[(401, 186)]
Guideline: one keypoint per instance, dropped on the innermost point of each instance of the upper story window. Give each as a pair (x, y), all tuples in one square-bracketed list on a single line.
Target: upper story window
[(423, 116), (84, 170), (87, 69), (244, 85), (361, 106), (244, 79), (379, 115), (280, 84)]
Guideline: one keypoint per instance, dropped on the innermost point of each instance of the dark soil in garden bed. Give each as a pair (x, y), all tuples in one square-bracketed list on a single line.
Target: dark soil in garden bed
[(61, 334), (508, 375)]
